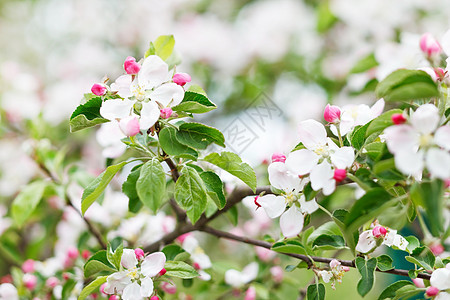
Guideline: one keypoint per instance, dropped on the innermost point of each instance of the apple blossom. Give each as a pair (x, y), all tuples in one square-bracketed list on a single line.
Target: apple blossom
[(335, 273), (86, 254), (332, 113), (131, 66), (51, 282), (429, 45), (277, 274), (28, 266), (238, 279), (432, 291), (154, 298), (139, 253), (99, 89), (278, 157), (398, 119), (414, 146), (72, 253), (8, 292), (166, 112), (168, 287), (29, 281), (250, 294), (129, 125), (200, 260), (367, 241), (181, 78), (339, 175), (162, 272), (379, 231)]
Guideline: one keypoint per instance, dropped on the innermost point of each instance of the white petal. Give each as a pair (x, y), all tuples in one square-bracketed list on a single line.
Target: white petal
[(281, 178), (326, 276), (302, 161), (308, 206), (116, 282), (401, 138), (234, 278), (128, 260), (445, 43), (116, 109), (190, 243), (425, 119), (347, 122), (149, 115), (366, 242), (400, 242), (168, 93), (273, 205), (202, 260), (204, 276), (363, 115), (146, 287), (122, 86), (377, 108), (329, 187), (153, 264), (312, 134), (409, 162), (442, 137), (250, 272), (390, 237), (440, 278), (343, 157), (438, 163), (154, 72), (132, 292), (291, 222), (321, 175)]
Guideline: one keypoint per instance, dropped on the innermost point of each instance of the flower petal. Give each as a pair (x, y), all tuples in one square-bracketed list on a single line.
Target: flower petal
[(321, 175), (149, 115), (273, 205), (442, 137), (401, 138), (146, 287), (409, 162), (250, 272), (441, 278), (291, 222), (312, 134), (281, 178), (308, 206), (132, 292), (366, 242), (377, 108), (438, 163), (343, 157), (234, 278), (128, 260), (122, 86), (116, 109), (425, 119), (302, 161), (153, 73), (168, 92), (153, 264)]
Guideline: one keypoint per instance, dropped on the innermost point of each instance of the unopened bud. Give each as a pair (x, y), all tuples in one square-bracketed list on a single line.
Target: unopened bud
[(182, 237), (86, 254), (139, 253), (345, 269), (278, 157), (98, 89), (379, 231), (29, 281), (432, 291), (277, 273), (429, 45), (250, 294), (113, 297), (181, 78), (52, 282), (437, 249), (28, 266), (131, 66), (162, 272), (398, 119), (332, 113), (166, 112), (256, 202), (339, 174), (154, 298), (72, 253), (129, 126)]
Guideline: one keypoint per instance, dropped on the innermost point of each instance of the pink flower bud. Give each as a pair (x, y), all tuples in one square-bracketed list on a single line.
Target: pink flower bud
[(98, 89), (102, 289), (256, 202), (162, 272), (419, 282), (437, 249), (429, 45), (339, 174), (129, 126), (379, 231), (278, 157), (334, 263), (440, 73), (182, 237), (154, 298), (131, 66), (168, 287), (29, 281), (332, 113), (398, 119), (277, 273), (86, 254), (166, 112), (139, 253), (345, 269), (52, 282), (432, 291), (181, 78), (264, 254), (447, 183), (66, 276), (72, 253), (28, 266), (113, 297), (250, 294), (196, 266)]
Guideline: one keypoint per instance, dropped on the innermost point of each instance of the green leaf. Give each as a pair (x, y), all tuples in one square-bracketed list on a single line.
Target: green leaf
[(87, 115), (364, 64), (358, 138), (190, 193), (151, 185), (423, 257), (233, 164), (68, 287), (233, 215), (339, 217), (199, 136), (329, 228), (406, 292), (316, 292), (114, 257), (375, 150), (384, 262), (413, 243), (195, 103), (89, 289), (405, 85), (96, 188), (171, 251), (214, 185), (170, 144), (289, 246), (164, 45), (366, 268), (382, 121), (372, 204), (429, 195), (27, 201), (98, 263), (329, 242), (390, 291), (180, 269), (325, 18), (129, 189)]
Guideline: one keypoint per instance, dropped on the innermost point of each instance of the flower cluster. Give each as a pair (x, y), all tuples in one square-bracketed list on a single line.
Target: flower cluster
[(369, 240), (335, 273)]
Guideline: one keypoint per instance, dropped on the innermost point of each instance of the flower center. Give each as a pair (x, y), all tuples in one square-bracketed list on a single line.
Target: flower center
[(425, 140), (322, 151), (138, 92), (290, 198), (133, 273)]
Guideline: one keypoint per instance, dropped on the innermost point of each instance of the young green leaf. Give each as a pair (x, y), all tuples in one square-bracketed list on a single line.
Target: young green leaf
[(26, 201), (194, 102), (97, 263), (96, 188), (190, 193), (91, 287), (180, 269), (129, 189), (233, 164), (366, 268), (199, 136), (171, 251), (316, 292), (389, 292), (289, 246), (170, 144), (151, 185), (423, 257), (164, 45), (381, 122), (87, 115), (384, 262), (329, 242), (215, 186)]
